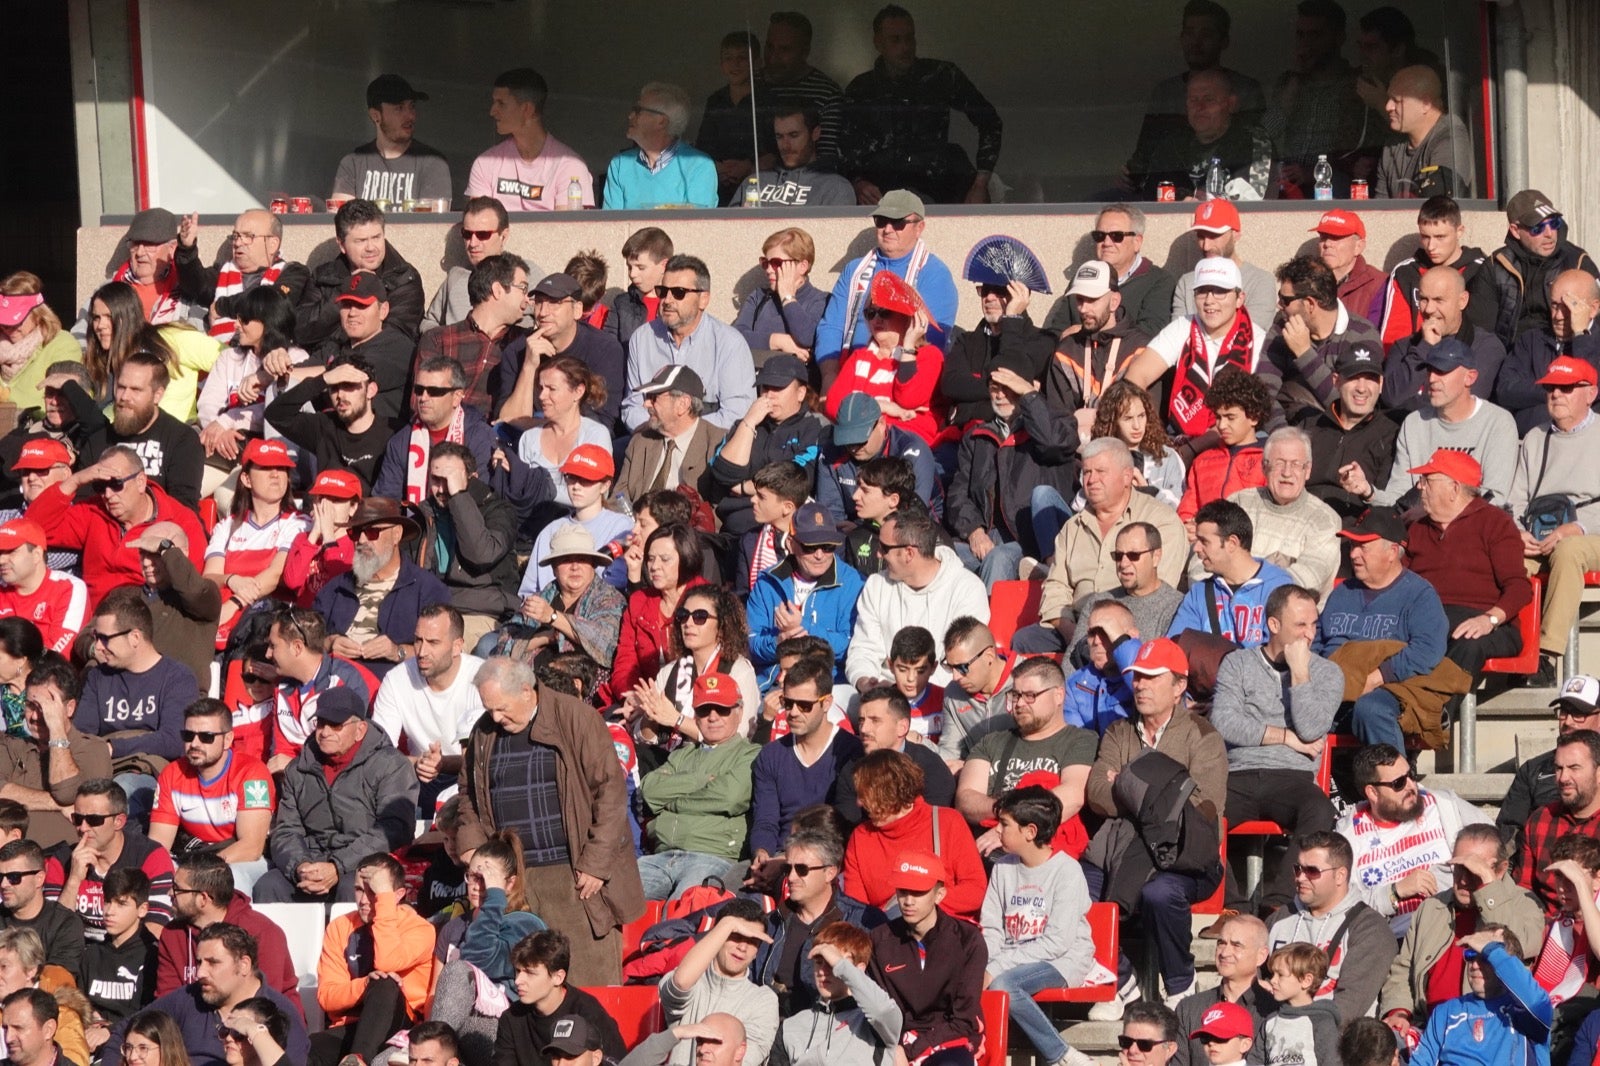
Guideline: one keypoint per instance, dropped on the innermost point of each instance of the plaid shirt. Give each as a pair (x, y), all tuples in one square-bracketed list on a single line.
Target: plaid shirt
[(1548, 825), (479, 355)]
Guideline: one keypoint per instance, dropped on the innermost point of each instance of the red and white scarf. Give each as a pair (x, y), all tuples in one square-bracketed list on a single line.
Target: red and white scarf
[(230, 282), (168, 305), (861, 281), (1563, 966), (767, 553), (1188, 404), (421, 446)]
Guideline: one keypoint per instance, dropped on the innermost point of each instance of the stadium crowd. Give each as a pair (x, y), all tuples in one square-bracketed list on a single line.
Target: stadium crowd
[(820, 672)]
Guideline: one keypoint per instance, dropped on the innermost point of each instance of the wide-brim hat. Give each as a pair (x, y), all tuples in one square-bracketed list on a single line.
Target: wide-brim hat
[(380, 510)]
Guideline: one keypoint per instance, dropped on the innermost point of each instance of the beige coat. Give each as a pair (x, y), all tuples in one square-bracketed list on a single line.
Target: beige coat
[(643, 458), (1083, 557), (1188, 738)]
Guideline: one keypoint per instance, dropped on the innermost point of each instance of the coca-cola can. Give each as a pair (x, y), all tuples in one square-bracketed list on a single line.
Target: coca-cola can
[(1167, 192), (300, 205), (279, 205), (1358, 190)]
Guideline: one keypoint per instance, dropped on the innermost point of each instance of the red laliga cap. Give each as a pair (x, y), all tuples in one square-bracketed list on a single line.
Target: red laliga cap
[(19, 531), (1458, 466), (590, 462), (267, 453), (1569, 371), (716, 690), (1340, 224), (1225, 1021), (916, 871), (337, 484), (1215, 216), (1159, 656), (41, 453)]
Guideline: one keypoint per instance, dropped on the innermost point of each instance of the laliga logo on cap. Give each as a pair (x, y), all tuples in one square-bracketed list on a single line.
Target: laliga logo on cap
[(913, 868)]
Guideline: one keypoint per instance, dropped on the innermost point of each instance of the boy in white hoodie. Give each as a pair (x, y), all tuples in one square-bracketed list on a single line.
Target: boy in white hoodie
[(854, 1022)]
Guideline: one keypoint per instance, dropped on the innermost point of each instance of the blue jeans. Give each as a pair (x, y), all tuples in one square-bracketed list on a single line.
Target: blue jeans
[(1021, 983), (1375, 719), (999, 565), (669, 874), (141, 790), (1050, 512)]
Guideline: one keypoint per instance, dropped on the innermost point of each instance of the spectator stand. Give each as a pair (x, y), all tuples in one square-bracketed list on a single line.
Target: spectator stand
[(1527, 662), (1255, 834), (1569, 661)]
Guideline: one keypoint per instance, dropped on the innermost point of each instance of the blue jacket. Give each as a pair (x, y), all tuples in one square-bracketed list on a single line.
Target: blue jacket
[(414, 589), (830, 613), (520, 486), (1243, 611), (1408, 611), (1095, 700), (836, 475), (761, 315), (934, 284), (1512, 1029)]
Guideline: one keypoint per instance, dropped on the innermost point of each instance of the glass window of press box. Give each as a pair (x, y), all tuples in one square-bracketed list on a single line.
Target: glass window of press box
[(1066, 102)]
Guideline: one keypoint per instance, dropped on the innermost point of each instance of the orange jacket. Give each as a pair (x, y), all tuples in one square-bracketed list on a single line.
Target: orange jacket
[(402, 943)]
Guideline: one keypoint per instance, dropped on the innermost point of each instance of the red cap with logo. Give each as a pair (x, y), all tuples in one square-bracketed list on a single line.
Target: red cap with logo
[(41, 453), (916, 871), (337, 484), (590, 462), (1569, 371), (716, 690), (268, 453), (1458, 466), (19, 531), (1225, 1021), (1338, 223), (1216, 217), (1159, 656)]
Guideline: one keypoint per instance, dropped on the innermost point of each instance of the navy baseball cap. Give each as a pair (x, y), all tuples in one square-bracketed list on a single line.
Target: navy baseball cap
[(1447, 355)]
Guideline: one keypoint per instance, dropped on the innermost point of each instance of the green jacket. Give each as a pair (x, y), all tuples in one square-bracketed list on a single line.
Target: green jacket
[(701, 798)]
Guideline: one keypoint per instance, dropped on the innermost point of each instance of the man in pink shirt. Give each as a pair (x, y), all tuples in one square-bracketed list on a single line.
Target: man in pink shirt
[(528, 170)]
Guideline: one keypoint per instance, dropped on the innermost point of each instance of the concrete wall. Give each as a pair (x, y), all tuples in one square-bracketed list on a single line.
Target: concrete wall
[(730, 242), (1564, 109)]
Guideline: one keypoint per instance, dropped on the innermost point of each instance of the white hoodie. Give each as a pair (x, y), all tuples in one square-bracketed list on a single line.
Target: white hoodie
[(886, 606)]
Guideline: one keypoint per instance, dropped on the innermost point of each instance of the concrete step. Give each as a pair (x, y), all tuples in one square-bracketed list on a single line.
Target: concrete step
[(1482, 789)]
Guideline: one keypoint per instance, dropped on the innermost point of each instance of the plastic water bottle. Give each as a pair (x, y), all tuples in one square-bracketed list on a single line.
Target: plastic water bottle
[(752, 191), (1216, 181), (1322, 177), (574, 195)]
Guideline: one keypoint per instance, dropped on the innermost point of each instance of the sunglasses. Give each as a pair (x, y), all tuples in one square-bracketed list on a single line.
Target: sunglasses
[(105, 639), (115, 484), (1144, 1044), (15, 876), (960, 669), (257, 679), (372, 532), (804, 869), (706, 710), (1285, 301), (700, 616), (789, 703), (1207, 1038), (93, 820), (1310, 873), (1132, 557), (204, 736), (678, 291), (774, 263), (477, 234), (1115, 236), (225, 1033), (993, 290), (885, 548), (1398, 784), (1563, 389), (878, 312), (896, 224), (432, 390), (1543, 227)]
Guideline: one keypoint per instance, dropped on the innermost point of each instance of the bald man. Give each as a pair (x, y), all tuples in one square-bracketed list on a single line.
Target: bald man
[(1436, 154), (253, 260), (1574, 304), (1442, 300), (717, 1040)]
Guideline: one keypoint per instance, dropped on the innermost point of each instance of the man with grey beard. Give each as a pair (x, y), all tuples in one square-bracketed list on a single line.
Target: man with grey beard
[(372, 610), (169, 450)]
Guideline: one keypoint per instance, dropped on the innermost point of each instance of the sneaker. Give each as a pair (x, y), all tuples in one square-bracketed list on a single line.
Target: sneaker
[(1111, 1010), (1214, 930), (1028, 567), (1548, 674), (1174, 998), (1074, 1057)]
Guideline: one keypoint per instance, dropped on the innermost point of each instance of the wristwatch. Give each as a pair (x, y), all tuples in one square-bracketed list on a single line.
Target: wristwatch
[(165, 544), (61, 743)]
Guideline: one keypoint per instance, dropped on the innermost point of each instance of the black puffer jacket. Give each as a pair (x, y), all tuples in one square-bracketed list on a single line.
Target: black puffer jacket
[(316, 319), (999, 466), (1524, 281), (965, 378), (473, 550)]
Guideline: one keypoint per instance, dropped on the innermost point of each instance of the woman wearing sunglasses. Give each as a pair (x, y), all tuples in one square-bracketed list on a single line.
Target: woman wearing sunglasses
[(709, 634), (254, 1033), (245, 558), (896, 367), (117, 329), (673, 561), (783, 316)]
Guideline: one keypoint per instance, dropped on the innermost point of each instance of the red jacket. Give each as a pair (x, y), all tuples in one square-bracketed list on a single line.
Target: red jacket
[(641, 645), (175, 961), (108, 562), (1218, 473), (914, 387), (873, 849), (1362, 290)]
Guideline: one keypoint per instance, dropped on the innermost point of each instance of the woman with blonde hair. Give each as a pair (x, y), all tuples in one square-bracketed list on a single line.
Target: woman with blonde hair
[(117, 329), (782, 316), (31, 339), (22, 966)]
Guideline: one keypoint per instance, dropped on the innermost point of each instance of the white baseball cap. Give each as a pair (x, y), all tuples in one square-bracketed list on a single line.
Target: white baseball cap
[(1093, 280), (1580, 691), (1217, 273)]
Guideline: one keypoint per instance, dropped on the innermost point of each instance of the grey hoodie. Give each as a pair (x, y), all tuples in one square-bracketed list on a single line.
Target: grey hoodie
[(865, 1031), (1303, 1036), (1366, 940)]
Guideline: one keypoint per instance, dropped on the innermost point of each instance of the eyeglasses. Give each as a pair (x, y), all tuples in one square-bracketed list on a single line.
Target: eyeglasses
[(140, 1051), (1567, 710), (678, 291), (1543, 227), (204, 736), (1286, 464), (115, 484), (1285, 301), (896, 224), (15, 877), (804, 869), (885, 548), (706, 710), (244, 238), (1398, 784), (774, 263), (105, 639), (93, 820), (257, 679), (960, 669), (1144, 1044), (477, 234), (1017, 696), (700, 616), (435, 391), (1115, 236), (789, 703), (1311, 873), (1131, 556)]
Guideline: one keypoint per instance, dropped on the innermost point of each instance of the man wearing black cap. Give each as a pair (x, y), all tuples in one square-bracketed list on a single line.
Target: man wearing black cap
[(393, 166), (676, 447), (498, 289), (1352, 431), (560, 329), (574, 1042), (860, 435), (1536, 250), (366, 328), (348, 794), (778, 428), (152, 241), (1442, 300), (358, 231), (811, 592), (1316, 331)]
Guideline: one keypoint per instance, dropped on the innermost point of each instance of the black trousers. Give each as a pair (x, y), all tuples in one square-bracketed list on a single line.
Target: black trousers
[(383, 1014), (1292, 799), (1470, 655)]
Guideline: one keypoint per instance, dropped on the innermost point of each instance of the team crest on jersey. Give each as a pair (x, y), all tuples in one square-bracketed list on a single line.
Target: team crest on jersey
[(230, 807), (1477, 1030), (1372, 877)]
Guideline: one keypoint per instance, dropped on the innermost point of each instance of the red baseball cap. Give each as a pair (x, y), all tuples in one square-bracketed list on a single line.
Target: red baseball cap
[(1338, 223), (1215, 216), (268, 453), (916, 871), (1225, 1021), (1159, 656), (337, 484), (716, 690), (1569, 371), (590, 462), (1458, 466), (41, 453), (19, 531)]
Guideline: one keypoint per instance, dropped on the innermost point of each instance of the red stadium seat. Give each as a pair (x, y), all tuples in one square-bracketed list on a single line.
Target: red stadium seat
[(1105, 926), (635, 1008), (996, 1028), (208, 515), (1012, 606), (633, 932)]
